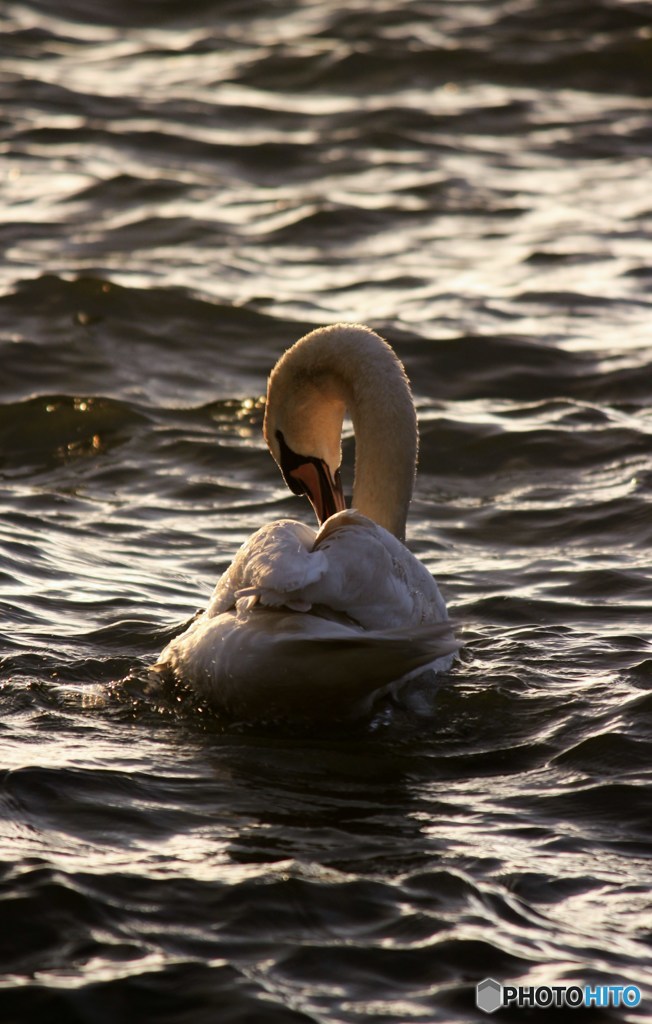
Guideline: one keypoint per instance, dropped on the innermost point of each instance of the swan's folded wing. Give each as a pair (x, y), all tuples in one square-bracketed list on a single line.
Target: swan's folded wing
[(372, 577), (274, 567)]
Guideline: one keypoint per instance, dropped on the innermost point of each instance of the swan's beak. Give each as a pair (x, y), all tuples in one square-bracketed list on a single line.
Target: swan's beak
[(313, 478), (306, 474)]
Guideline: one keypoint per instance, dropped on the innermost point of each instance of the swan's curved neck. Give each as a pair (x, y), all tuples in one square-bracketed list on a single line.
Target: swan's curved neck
[(385, 427), (350, 366)]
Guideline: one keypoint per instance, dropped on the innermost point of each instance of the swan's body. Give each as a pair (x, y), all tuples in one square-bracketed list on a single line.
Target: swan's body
[(305, 623)]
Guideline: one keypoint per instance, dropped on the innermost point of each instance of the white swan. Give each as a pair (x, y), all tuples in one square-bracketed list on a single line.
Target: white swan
[(316, 624)]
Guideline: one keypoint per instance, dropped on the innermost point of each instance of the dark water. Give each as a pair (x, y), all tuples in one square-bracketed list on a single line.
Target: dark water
[(186, 188)]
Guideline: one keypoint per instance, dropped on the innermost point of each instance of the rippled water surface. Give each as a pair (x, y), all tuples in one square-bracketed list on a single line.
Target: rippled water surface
[(187, 188)]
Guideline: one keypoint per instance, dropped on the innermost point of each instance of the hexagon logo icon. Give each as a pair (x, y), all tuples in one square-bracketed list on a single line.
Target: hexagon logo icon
[(488, 995)]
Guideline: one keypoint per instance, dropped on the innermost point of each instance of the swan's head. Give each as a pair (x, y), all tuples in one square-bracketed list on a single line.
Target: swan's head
[(330, 370), (303, 428)]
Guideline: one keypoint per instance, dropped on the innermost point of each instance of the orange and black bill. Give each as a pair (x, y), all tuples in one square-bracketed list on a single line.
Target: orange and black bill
[(306, 474)]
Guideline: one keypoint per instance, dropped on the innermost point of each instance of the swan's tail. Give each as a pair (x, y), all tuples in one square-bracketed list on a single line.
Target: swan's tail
[(278, 665), (340, 676), (274, 664)]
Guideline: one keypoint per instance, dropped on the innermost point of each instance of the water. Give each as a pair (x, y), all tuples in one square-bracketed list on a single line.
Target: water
[(187, 188)]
